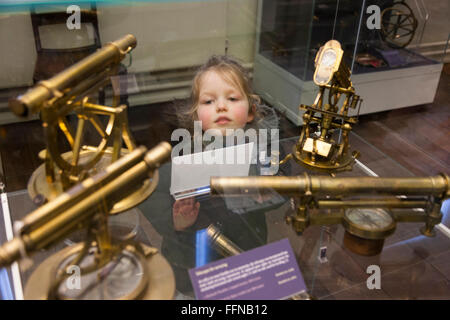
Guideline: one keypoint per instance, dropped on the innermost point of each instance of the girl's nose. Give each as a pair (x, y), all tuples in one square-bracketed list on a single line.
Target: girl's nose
[(221, 105)]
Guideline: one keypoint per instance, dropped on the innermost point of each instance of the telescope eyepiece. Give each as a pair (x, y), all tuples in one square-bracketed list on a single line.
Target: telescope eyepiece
[(18, 107)]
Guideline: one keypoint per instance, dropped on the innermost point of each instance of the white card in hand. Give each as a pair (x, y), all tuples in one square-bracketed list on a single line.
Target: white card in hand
[(191, 173)]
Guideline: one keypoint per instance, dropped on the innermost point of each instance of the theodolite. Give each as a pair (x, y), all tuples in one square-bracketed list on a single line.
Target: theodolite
[(323, 144), (109, 268), (64, 101), (365, 206)]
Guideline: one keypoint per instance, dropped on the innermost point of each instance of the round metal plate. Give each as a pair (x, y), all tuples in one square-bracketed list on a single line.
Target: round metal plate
[(160, 286)]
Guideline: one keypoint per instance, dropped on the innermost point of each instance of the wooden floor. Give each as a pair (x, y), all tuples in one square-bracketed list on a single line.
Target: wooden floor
[(416, 137)]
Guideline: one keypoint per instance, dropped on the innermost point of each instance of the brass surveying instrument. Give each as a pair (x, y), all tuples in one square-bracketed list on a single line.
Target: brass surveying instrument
[(323, 144), (101, 266), (67, 96), (369, 208)]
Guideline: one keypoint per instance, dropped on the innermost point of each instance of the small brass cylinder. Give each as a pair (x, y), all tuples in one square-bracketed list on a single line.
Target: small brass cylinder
[(221, 243)]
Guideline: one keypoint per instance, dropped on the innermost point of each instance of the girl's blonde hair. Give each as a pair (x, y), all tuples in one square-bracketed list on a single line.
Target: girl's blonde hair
[(232, 72)]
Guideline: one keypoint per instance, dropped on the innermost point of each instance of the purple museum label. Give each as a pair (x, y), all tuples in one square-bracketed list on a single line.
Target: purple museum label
[(269, 272)]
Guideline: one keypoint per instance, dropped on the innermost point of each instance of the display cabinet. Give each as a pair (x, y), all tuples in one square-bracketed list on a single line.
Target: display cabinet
[(88, 150), (175, 38)]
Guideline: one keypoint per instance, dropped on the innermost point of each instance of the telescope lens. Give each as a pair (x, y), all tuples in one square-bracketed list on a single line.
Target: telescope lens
[(18, 107)]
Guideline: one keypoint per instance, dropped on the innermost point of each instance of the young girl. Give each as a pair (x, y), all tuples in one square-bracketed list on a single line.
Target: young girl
[(221, 95), (222, 88), (222, 99)]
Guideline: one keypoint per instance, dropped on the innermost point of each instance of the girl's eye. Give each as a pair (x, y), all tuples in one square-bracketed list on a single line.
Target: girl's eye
[(233, 99), (207, 102)]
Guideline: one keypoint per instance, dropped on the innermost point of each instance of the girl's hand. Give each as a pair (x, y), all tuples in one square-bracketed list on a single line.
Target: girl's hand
[(185, 213), (260, 198)]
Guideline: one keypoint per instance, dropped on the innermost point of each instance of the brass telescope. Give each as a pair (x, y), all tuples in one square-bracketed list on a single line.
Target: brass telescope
[(365, 203), (111, 54), (86, 206)]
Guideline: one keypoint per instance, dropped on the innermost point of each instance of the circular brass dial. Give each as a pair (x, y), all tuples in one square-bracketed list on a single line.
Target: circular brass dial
[(369, 223)]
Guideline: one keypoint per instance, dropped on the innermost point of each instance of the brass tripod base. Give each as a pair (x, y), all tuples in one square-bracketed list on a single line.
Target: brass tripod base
[(39, 187), (361, 246), (151, 278)]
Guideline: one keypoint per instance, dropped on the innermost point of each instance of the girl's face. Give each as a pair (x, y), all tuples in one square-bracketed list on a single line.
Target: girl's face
[(221, 105)]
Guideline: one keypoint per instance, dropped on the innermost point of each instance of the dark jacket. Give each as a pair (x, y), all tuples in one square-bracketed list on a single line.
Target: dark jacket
[(247, 229)]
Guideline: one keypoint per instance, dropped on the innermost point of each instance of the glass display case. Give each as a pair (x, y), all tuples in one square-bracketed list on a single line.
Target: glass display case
[(174, 38), (383, 45), (412, 266), (83, 147)]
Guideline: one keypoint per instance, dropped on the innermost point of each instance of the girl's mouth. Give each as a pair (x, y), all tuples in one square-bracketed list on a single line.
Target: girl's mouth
[(222, 120)]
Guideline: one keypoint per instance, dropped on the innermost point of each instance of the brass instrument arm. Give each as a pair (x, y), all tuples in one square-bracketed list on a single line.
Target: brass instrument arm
[(77, 142), (348, 90), (76, 94), (286, 159), (100, 109), (399, 216), (335, 115), (410, 216), (301, 222), (372, 203), (325, 218)]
